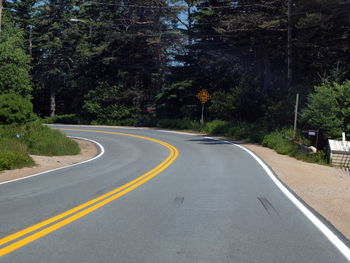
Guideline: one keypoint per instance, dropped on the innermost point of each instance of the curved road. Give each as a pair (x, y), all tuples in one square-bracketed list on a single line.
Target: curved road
[(197, 200)]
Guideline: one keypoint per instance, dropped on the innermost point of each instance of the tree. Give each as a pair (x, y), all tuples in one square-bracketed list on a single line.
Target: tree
[(14, 63), (54, 48), (100, 106), (321, 38), (328, 109), (23, 14)]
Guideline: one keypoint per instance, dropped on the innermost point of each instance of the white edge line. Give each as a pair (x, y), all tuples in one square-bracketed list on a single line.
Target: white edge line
[(102, 151), (334, 239)]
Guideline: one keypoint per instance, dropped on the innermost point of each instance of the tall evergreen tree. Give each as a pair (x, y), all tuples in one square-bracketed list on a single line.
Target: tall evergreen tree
[(14, 63)]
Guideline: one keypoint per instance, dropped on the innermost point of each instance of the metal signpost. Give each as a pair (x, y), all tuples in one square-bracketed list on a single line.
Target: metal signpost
[(203, 97)]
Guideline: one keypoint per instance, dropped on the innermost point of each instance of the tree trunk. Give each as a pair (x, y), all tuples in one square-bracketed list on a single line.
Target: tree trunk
[(52, 102)]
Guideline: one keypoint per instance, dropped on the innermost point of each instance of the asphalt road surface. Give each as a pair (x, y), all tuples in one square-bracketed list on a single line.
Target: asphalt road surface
[(177, 198)]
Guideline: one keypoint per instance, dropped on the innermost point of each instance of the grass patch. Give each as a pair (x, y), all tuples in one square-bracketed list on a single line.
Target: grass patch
[(280, 142), (41, 140), (17, 142), (13, 154)]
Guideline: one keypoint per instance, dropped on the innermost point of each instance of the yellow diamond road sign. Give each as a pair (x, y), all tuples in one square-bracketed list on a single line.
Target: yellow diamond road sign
[(203, 96)]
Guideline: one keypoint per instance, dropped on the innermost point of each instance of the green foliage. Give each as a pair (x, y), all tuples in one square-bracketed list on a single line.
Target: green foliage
[(101, 107), (17, 142), (15, 109), (119, 62), (14, 63), (13, 154), (279, 142), (216, 127), (172, 100), (12, 160), (39, 139), (181, 124), (328, 109), (63, 119), (243, 101)]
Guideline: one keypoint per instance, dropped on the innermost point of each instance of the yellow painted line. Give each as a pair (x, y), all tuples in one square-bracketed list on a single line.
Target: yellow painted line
[(89, 206)]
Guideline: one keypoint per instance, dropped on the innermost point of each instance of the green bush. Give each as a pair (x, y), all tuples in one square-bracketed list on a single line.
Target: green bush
[(279, 143), (15, 109), (178, 124), (239, 130), (63, 119), (216, 127), (12, 160), (13, 154)]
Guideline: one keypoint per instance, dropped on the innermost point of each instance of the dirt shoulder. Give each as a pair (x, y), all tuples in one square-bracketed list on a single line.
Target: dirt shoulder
[(44, 163), (325, 189)]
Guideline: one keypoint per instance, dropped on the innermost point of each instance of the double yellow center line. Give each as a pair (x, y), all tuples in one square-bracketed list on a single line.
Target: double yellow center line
[(28, 235)]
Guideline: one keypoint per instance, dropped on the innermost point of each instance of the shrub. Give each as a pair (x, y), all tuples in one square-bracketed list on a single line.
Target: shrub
[(15, 109), (239, 130), (12, 159), (178, 124), (13, 154), (277, 142), (63, 119), (216, 127)]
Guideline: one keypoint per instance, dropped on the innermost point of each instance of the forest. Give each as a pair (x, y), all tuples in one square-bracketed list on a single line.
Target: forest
[(142, 62)]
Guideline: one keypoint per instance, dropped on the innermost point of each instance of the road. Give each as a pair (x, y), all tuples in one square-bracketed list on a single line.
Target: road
[(198, 200)]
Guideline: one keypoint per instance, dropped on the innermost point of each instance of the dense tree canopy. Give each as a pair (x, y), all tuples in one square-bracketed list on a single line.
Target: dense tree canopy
[(14, 63), (114, 60)]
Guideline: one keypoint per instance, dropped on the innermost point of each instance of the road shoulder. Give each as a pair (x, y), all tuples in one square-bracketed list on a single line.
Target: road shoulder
[(88, 150), (325, 189)]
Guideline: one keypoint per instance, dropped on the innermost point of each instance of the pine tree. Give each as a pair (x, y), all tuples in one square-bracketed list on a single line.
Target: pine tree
[(14, 63)]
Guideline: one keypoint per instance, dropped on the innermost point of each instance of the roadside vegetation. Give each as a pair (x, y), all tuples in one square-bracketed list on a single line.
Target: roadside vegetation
[(18, 141), (22, 134), (279, 140), (126, 74)]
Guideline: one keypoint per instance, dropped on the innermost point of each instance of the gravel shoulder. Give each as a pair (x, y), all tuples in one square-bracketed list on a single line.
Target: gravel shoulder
[(325, 189), (88, 150)]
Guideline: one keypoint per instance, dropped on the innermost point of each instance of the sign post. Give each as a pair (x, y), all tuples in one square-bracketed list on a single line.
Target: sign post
[(203, 97)]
